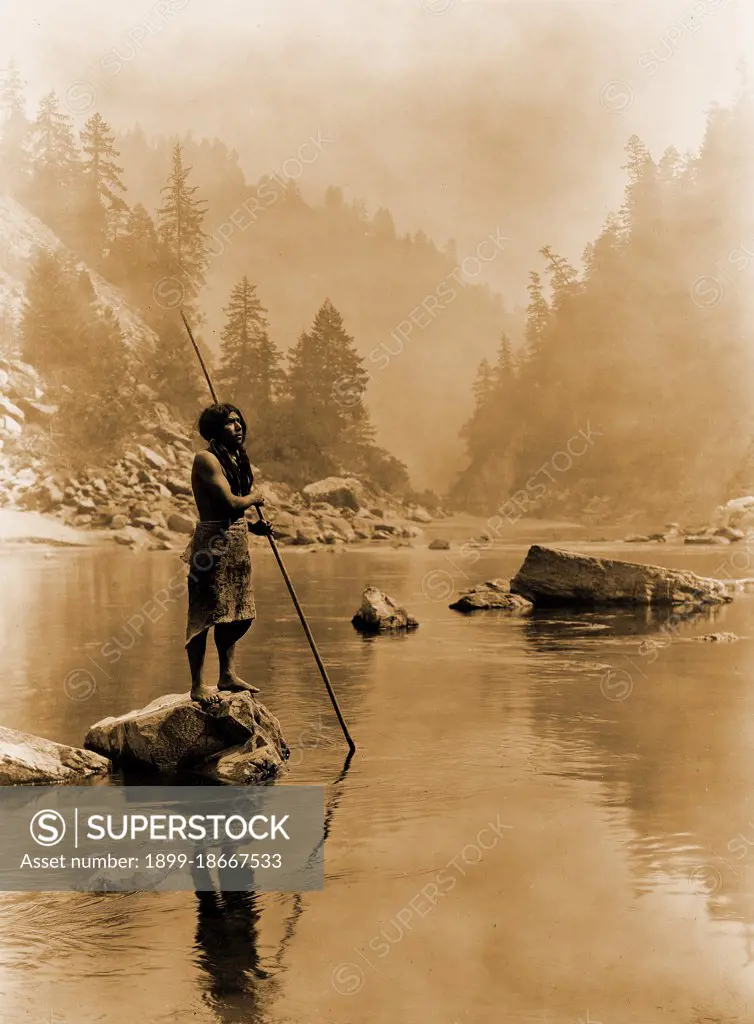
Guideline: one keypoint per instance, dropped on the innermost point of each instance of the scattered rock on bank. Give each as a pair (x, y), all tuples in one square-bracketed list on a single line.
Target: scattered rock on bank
[(238, 740), (338, 491), (179, 523), (737, 513), (489, 595), (380, 614), (32, 760), (717, 638), (418, 514), (743, 583), (730, 533), (552, 577), (147, 484)]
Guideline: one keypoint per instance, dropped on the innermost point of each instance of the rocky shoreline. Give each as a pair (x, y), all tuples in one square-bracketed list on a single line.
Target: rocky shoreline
[(143, 498)]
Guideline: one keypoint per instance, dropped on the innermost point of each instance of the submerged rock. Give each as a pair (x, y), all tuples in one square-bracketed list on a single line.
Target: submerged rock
[(32, 760), (439, 545), (380, 614), (492, 594), (551, 577), (236, 740)]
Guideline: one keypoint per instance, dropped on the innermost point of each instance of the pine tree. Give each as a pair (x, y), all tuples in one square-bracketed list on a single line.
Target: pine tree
[(83, 354), (53, 145), (505, 367), (640, 196), (55, 168), (14, 127), (101, 205), (537, 321), (325, 387), (179, 227), (251, 364), (495, 404), (96, 407), (564, 279), (50, 320), (383, 226), (173, 371)]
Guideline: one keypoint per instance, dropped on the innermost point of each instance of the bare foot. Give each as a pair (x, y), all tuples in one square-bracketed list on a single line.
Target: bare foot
[(230, 681), (205, 695)]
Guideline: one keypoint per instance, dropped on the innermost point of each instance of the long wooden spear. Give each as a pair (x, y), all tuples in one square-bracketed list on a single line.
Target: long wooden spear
[(283, 570)]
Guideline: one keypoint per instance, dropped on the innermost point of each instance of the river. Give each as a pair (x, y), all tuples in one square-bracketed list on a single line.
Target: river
[(545, 821)]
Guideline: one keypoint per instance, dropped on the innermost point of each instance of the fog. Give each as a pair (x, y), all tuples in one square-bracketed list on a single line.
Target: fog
[(493, 112), (462, 117)]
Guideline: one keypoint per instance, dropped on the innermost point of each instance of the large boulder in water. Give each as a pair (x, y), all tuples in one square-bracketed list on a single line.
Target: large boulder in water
[(551, 577), (32, 760), (235, 740), (338, 491), (380, 614), (494, 594)]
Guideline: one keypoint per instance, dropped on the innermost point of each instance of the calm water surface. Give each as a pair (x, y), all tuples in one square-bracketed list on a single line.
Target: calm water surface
[(614, 881)]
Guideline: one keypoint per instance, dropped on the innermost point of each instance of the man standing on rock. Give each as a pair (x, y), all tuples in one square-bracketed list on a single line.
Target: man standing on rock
[(219, 584)]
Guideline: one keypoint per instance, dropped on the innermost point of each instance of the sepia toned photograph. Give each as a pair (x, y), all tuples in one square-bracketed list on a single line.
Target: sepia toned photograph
[(376, 511)]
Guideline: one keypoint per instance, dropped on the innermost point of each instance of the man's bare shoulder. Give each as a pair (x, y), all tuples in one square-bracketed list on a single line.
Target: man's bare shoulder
[(206, 464), (206, 458)]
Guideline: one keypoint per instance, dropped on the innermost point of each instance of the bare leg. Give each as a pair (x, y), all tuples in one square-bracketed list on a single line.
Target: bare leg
[(227, 636), (195, 649)]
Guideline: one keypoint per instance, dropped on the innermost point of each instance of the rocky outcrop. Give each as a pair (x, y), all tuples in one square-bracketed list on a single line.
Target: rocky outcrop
[(237, 740), (489, 595), (380, 614), (34, 761), (552, 577)]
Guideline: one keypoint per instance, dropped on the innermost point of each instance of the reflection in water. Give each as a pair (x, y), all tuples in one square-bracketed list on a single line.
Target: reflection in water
[(625, 879), (227, 932), (664, 748), (227, 951)]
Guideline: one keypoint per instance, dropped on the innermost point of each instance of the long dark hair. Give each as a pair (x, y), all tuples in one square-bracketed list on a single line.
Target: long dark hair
[(234, 462)]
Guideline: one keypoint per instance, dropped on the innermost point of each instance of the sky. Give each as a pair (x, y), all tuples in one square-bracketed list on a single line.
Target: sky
[(459, 115)]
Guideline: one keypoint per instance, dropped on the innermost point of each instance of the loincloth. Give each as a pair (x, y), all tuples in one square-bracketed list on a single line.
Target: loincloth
[(219, 580)]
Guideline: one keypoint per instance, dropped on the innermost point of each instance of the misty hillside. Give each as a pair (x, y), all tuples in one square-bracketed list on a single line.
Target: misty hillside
[(647, 350), (298, 252), (302, 378), (414, 310), (21, 236), (355, 348)]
